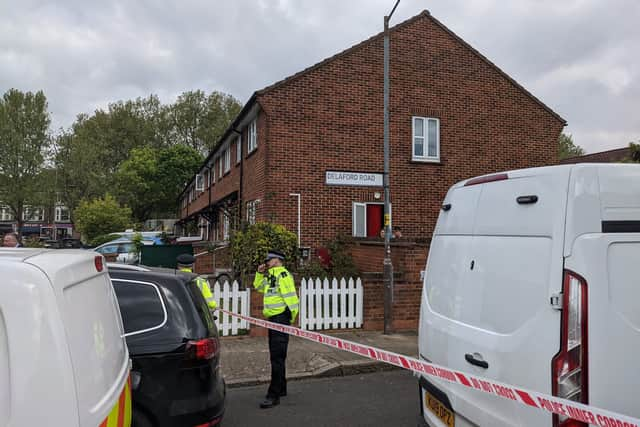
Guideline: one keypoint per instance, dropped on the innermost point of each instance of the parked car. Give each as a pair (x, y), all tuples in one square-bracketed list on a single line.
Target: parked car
[(532, 280), (123, 250), (63, 360), (174, 346)]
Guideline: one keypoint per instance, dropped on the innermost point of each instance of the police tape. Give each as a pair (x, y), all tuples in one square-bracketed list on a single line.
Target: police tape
[(568, 408)]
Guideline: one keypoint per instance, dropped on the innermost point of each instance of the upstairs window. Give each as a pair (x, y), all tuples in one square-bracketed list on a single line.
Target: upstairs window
[(252, 210), (252, 137), (199, 182), (226, 226), (62, 214), (227, 159), (220, 171), (426, 139), (32, 214), (238, 150), (5, 213)]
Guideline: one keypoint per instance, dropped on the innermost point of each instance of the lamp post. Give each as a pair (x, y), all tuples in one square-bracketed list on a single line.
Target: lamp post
[(387, 264)]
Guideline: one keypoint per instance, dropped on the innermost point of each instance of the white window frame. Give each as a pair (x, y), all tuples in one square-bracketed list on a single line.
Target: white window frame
[(252, 211), (28, 214), (164, 308), (364, 205), (238, 150), (199, 182), (207, 180), (252, 136), (227, 159), (425, 138), (226, 227), (5, 213), (220, 170), (58, 214)]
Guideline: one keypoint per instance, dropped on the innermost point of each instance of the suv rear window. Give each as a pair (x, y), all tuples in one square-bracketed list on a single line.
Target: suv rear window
[(201, 306), (141, 306)]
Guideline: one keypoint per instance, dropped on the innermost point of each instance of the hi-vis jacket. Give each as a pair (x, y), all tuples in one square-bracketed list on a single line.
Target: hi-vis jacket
[(205, 289), (279, 292)]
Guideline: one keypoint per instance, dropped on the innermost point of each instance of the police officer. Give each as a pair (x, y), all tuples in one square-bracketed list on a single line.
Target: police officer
[(185, 263), (281, 305)]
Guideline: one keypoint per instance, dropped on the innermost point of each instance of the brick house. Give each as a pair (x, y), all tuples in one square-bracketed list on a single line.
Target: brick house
[(318, 133)]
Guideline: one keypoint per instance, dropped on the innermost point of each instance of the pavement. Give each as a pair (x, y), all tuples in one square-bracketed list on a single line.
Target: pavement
[(245, 360)]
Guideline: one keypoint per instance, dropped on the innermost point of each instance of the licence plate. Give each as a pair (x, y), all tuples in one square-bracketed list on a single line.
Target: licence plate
[(438, 409)]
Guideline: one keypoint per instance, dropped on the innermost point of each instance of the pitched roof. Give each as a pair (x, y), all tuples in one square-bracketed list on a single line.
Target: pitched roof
[(424, 14)]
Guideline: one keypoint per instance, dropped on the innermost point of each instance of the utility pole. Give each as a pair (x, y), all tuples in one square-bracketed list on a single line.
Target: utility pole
[(388, 265)]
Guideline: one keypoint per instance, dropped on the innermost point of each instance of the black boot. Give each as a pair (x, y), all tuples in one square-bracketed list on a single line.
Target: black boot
[(269, 402)]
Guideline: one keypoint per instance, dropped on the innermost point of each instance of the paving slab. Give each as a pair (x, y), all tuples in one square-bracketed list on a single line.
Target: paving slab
[(245, 360)]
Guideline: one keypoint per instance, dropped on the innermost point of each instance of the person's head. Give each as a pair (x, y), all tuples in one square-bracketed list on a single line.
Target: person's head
[(397, 233), (10, 240), (185, 262), (274, 259)]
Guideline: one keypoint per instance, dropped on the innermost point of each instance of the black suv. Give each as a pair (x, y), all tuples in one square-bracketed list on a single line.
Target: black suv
[(174, 346)]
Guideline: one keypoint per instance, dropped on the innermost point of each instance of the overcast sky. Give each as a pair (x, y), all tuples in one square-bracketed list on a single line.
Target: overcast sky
[(580, 57)]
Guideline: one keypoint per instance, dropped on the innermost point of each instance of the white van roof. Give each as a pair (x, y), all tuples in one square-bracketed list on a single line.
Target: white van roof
[(595, 194)]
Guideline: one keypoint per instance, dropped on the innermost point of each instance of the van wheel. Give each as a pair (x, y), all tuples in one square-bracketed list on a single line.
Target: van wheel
[(140, 420)]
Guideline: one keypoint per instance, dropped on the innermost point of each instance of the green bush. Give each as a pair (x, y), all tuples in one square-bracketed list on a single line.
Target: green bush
[(101, 216), (342, 264), (250, 246)]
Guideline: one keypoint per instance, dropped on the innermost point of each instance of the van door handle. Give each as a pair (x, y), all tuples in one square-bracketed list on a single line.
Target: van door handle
[(471, 358)]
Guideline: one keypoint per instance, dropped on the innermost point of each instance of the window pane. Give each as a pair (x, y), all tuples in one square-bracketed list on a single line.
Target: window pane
[(418, 147), (433, 138), (140, 305), (360, 230), (418, 127)]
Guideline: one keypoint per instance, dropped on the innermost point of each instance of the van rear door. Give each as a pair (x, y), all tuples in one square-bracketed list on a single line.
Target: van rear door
[(486, 293), (94, 334), (607, 260)]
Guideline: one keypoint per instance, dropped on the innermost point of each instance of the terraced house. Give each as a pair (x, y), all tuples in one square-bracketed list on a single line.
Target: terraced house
[(307, 151)]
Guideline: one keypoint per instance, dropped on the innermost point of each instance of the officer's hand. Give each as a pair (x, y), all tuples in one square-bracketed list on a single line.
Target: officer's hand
[(262, 268)]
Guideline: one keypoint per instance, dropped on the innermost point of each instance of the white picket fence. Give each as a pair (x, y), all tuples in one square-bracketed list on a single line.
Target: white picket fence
[(231, 298), (331, 304)]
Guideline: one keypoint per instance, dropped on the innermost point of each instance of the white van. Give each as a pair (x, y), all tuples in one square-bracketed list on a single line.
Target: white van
[(533, 280), (63, 360)]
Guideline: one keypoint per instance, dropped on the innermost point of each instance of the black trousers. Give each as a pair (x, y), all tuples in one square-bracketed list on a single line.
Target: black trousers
[(278, 343)]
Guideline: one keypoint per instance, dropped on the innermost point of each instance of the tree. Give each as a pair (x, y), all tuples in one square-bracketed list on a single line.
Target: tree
[(634, 155), (567, 148), (24, 145), (101, 216), (249, 247), (150, 180), (199, 121)]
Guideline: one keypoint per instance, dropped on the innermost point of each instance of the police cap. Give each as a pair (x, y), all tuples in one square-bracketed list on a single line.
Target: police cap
[(186, 259), (274, 254)]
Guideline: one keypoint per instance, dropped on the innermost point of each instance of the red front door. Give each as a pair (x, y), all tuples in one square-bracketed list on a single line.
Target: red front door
[(374, 219)]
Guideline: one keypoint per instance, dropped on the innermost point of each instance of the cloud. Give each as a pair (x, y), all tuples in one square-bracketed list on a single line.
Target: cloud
[(578, 56)]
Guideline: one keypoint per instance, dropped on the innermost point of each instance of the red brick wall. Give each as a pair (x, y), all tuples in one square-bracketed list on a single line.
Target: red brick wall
[(331, 118)]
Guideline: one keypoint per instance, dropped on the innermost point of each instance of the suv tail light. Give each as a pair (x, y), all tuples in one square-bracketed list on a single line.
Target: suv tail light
[(98, 261), (202, 349), (570, 366)]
